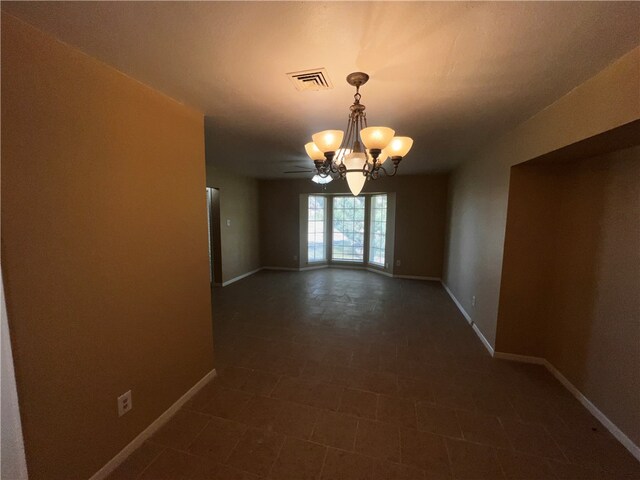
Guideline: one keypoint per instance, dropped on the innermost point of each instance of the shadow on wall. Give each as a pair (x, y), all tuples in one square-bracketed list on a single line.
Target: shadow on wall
[(570, 275)]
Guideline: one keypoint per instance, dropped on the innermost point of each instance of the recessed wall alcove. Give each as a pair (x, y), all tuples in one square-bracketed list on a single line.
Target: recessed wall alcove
[(571, 259)]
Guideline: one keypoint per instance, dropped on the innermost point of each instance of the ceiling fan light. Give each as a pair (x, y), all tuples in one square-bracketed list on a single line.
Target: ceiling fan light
[(321, 180), (314, 152), (376, 137), (399, 146), (328, 140)]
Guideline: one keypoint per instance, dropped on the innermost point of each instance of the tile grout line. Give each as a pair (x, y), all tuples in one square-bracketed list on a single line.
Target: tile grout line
[(198, 434), (355, 437), (162, 450), (277, 456), (324, 461), (497, 459), (275, 385), (449, 462), (226, 460), (564, 455), (315, 423)]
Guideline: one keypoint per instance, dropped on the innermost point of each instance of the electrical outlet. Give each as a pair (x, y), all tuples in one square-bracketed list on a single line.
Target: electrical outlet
[(386, 265), (124, 403), (398, 263), (473, 301), (228, 222)]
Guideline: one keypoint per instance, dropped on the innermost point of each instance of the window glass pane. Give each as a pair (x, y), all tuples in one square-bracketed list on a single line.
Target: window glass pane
[(348, 229), (316, 245), (378, 230)]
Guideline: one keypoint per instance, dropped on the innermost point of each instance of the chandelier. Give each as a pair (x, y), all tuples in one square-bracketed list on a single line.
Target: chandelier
[(358, 154)]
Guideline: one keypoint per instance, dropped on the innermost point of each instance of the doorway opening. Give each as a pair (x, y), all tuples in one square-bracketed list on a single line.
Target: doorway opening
[(215, 244)]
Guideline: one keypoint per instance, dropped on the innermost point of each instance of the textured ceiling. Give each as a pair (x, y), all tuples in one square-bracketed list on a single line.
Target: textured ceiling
[(449, 74)]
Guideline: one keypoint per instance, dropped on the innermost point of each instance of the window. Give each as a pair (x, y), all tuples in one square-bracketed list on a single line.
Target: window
[(354, 228), (316, 246), (348, 229), (378, 229)]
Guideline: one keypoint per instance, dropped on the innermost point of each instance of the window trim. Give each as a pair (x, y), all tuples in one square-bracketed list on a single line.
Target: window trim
[(369, 223), (325, 239), (364, 234), (329, 233)]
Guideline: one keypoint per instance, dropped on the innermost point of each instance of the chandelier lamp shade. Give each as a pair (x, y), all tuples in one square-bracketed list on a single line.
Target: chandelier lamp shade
[(358, 153)]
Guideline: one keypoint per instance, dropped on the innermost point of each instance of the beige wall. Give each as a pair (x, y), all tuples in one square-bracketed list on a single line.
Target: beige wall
[(528, 260), (239, 204), (479, 187), (104, 251), (420, 209), (571, 274)]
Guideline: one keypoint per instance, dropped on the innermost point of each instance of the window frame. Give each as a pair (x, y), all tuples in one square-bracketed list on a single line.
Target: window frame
[(364, 233), (372, 232), (328, 232), (325, 242)]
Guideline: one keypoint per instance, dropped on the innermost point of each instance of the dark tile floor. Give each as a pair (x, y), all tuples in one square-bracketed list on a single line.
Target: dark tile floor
[(347, 375)]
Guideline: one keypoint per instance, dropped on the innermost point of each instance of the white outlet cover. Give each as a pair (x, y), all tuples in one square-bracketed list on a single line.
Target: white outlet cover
[(228, 222), (124, 403)]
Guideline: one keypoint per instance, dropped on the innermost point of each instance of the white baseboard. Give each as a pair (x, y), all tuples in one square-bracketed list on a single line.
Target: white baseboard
[(380, 272), (482, 338), (417, 277), (475, 327), (595, 411), (299, 269), (512, 357), (148, 432), (586, 403), (240, 277), (458, 304), (286, 269), (313, 267), (362, 267), (350, 267)]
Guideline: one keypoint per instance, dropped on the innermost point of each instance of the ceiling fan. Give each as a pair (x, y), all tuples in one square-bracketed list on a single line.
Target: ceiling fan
[(315, 178), (303, 170)]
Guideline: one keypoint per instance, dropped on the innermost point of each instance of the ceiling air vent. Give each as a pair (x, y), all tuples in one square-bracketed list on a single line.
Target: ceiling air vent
[(316, 79)]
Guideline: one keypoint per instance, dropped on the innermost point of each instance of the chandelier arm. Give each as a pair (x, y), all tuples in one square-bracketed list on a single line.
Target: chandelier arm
[(395, 170), (365, 169), (385, 171)]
